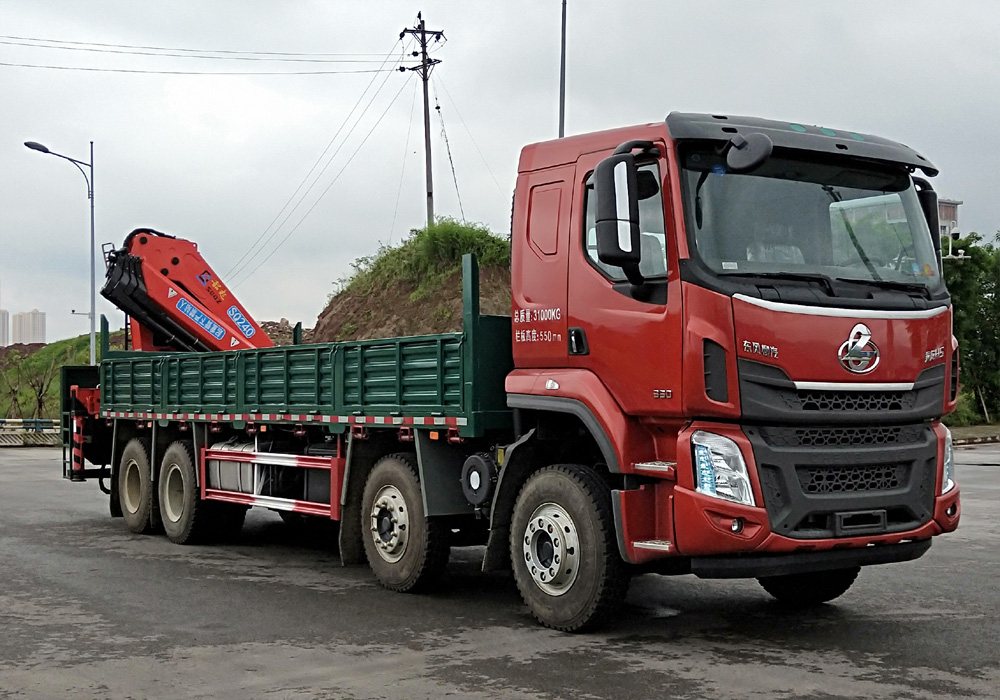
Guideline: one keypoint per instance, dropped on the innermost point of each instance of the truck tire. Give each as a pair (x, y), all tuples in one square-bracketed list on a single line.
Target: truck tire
[(564, 550), (406, 551), (807, 590), (185, 516), (135, 487), (114, 498)]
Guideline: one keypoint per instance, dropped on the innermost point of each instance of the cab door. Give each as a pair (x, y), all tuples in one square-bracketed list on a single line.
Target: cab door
[(630, 339)]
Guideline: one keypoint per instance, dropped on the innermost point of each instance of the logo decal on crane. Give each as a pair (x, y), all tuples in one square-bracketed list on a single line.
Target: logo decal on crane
[(192, 312), (859, 354)]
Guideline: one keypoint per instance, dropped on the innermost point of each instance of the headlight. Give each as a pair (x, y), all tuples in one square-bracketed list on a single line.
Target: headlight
[(948, 480), (719, 469)]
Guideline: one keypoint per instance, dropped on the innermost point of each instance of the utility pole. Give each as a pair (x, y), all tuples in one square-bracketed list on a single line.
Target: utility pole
[(562, 76), (424, 71)]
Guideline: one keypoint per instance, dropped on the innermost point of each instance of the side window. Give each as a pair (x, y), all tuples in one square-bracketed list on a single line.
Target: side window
[(653, 236)]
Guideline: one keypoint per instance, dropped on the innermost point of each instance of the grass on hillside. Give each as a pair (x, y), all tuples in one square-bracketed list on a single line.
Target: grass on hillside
[(426, 258), (29, 386)]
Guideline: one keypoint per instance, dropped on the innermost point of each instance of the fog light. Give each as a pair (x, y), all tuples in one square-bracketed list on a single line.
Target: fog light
[(736, 526), (951, 510)]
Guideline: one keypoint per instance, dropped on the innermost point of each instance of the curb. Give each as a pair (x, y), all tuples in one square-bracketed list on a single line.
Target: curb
[(977, 440)]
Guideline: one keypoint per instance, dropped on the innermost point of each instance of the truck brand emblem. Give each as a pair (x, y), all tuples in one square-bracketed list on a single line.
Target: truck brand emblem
[(859, 354)]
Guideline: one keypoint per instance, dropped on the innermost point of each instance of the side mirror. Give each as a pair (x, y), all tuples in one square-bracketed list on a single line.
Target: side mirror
[(746, 153), (617, 190)]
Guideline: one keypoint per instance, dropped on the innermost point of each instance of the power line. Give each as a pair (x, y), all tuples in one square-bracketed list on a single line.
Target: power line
[(406, 152), (473, 138), (161, 48), (332, 182), (316, 180), (239, 265), (188, 55), (451, 162), (183, 72)]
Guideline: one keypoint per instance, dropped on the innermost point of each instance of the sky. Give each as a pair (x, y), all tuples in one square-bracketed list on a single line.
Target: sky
[(284, 180)]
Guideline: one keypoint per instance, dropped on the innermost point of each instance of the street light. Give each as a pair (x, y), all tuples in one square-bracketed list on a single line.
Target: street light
[(80, 165), (954, 236)]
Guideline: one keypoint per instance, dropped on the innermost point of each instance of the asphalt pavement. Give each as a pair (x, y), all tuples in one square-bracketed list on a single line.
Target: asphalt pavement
[(89, 610)]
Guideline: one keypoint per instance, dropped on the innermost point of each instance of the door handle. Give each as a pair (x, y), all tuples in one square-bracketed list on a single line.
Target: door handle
[(578, 342)]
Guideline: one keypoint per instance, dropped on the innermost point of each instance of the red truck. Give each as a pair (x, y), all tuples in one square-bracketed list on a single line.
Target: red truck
[(729, 352)]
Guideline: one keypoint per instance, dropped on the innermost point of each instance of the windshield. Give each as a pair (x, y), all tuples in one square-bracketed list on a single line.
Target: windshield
[(842, 220)]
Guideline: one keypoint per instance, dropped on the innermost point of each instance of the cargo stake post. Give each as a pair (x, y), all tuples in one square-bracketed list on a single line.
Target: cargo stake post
[(728, 355)]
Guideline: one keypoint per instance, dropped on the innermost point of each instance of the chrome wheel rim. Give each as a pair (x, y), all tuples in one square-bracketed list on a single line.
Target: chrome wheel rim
[(551, 547), (390, 524)]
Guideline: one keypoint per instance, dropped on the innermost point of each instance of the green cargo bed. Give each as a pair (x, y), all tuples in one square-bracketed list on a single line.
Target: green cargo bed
[(449, 379)]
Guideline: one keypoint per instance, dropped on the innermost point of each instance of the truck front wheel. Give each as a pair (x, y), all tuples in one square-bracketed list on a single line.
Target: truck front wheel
[(807, 590), (563, 548), (135, 487), (406, 550)]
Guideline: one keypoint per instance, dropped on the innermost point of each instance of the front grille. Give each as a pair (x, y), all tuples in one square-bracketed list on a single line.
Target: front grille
[(852, 479), (850, 401), (842, 437), (769, 396), (816, 478)]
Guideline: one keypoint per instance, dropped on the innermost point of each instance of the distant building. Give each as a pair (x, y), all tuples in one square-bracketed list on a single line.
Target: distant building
[(4, 328), (948, 215), (29, 327)]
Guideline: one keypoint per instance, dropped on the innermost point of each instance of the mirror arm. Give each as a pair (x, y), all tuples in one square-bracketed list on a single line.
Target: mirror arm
[(633, 275), (644, 146)]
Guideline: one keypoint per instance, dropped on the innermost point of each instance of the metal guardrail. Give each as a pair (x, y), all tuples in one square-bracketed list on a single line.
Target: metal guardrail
[(36, 425), (29, 432)]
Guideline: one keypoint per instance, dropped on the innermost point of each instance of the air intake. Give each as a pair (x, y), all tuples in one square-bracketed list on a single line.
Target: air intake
[(716, 382)]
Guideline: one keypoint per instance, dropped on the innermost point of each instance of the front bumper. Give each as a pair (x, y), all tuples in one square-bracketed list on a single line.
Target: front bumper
[(754, 566), (880, 516)]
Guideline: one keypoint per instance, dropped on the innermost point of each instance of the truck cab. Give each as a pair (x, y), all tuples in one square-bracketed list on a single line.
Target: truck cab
[(746, 321)]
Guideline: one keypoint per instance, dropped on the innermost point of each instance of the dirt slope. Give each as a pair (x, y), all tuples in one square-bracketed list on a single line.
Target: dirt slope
[(416, 287), (391, 311)]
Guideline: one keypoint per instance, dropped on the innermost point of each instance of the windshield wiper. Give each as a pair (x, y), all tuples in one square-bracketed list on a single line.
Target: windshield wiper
[(837, 197), (823, 280), (908, 287)]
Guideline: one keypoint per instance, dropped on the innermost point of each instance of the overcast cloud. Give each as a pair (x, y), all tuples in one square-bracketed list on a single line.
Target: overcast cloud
[(215, 158)]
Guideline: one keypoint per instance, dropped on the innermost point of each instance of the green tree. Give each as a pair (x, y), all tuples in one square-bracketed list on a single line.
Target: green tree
[(974, 284)]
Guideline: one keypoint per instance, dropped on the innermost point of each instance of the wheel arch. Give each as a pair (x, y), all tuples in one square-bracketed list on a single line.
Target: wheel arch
[(557, 420), (362, 454)]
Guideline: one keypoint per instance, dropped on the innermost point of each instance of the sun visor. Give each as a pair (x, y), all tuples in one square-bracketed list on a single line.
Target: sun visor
[(721, 127)]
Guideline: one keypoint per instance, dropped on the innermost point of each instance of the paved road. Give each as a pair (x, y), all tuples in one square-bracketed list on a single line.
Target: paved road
[(88, 610)]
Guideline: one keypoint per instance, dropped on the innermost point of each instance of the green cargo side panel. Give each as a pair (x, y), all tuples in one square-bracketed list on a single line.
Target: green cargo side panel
[(448, 375)]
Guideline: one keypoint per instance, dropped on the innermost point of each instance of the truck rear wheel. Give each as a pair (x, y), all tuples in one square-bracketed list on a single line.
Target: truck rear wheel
[(184, 515), (135, 487), (563, 548), (406, 550), (807, 590)]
